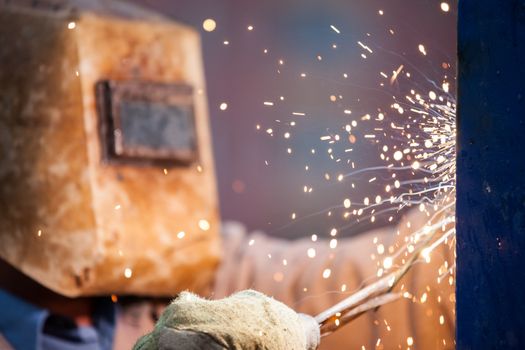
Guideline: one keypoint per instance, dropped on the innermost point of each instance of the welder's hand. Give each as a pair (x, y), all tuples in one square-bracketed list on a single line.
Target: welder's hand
[(247, 320)]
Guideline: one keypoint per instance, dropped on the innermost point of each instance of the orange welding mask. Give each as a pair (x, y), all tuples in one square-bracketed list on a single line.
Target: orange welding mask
[(106, 172)]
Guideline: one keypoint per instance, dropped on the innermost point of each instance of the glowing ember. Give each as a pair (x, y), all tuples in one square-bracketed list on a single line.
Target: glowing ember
[(335, 29), (414, 135), (445, 7), (204, 225), (410, 341), (422, 49), (209, 25), (398, 155), (387, 263)]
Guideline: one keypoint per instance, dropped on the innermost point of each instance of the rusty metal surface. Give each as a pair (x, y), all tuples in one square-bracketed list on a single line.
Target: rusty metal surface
[(69, 221)]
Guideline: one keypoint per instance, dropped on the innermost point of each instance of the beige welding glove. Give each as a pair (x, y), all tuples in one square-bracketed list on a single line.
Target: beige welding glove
[(247, 320)]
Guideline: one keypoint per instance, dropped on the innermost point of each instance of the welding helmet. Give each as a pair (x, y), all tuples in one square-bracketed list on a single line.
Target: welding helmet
[(106, 172)]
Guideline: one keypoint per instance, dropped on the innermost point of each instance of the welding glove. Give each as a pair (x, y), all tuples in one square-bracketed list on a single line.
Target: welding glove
[(247, 320)]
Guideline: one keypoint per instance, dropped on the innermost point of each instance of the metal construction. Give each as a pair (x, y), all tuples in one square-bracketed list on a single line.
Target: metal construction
[(491, 175)]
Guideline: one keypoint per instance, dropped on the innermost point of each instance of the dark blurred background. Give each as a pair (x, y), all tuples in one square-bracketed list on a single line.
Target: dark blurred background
[(260, 183)]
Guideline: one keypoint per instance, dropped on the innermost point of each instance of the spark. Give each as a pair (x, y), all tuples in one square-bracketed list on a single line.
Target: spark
[(423, 298), (209, 25), (335, 29), (204, 225), (398, 155), (415, 137), (422, 49), (365, 47), (278, 276), (395, 74)]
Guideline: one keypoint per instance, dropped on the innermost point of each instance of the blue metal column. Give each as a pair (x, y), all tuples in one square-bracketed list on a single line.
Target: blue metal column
[(491, 175)]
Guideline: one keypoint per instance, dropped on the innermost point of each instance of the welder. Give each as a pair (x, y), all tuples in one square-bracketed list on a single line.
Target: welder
[(108, 190)]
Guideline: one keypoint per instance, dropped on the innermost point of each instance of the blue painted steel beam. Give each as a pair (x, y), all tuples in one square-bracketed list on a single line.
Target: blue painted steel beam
[(491, 175)]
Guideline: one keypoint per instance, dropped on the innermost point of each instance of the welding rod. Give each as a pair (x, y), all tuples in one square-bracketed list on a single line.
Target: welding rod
[(368, 298)]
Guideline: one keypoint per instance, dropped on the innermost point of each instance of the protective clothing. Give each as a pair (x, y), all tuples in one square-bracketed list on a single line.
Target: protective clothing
[(283, 270), (106, 168), (247, 320)]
